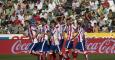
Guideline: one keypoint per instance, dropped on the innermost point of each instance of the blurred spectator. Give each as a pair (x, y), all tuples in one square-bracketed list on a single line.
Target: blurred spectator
[(17, 21), (21, 17), (113, 25), (13, 17), (75, 4), (93, 21), (105, 28), (27, 16), (21, 29), (95, 15), (93, 5), (105, 4), (37, 17), (1, 9), (1, 30), (110, 14), (108, 22), (89, 28), (95, 28), (14, 29), (102, 22), (9, 8), (18, 9)]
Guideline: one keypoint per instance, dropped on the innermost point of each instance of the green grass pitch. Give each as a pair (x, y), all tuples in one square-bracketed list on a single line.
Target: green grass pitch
[(80, 57)]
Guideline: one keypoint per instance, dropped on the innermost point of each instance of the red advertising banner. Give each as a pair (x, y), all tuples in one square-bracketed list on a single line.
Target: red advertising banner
[(14, 46), (101, 45), (94, 45)]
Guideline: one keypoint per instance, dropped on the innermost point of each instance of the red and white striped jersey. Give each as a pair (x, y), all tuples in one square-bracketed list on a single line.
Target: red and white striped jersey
[(45, 30), (56, 35), (52, 36), (39, 30), (59, 31), (81, 34), (32, 31), (70, 29)]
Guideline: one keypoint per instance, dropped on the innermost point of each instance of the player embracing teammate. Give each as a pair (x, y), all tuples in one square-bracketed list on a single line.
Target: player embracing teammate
[(49, 41)]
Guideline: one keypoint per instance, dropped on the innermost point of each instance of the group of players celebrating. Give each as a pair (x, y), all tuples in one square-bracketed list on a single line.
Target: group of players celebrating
[(59, 40)]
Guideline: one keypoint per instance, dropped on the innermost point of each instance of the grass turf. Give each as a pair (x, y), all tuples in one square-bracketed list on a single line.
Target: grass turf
[(31, 57)]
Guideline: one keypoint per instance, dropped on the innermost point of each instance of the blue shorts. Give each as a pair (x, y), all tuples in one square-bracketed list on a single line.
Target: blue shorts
[(69, 44), (81, 47), (53, 47), (39, 46), (57, 48), (45, 46), (33, 46), (61, 43)]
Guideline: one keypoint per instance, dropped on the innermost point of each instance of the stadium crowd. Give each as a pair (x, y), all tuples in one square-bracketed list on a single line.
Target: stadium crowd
[(95, 15)]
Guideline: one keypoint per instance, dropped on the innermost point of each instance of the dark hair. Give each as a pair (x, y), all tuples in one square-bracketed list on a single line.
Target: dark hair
[(87, 9), (27, 6), (79, 23), (16, 16), (110, 10), (44, 20), (53, 22), (59, 19), (35, 7), (0, 3)]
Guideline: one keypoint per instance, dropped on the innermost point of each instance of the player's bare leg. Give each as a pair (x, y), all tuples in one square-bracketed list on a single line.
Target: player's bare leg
[(75, 55), (54, 56), (42, 56), (50, 57), (67, 55), (86, 55), (60, 56)]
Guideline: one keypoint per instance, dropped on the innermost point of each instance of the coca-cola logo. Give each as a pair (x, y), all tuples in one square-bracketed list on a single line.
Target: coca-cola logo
[(104, 46), (19, 47), (107, 46)]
